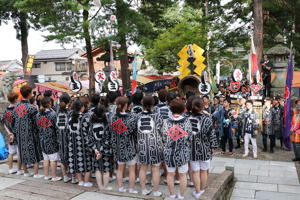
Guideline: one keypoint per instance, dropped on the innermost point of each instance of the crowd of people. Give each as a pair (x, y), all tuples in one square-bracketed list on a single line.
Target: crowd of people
[(169, 134)]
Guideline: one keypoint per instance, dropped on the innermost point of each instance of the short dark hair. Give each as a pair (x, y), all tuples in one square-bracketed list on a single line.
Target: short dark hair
[(26, 90), (171, 95), (148, 102), (12, 97), (177, 106), (95, 99), (228, 100), (205, 96), (137, 97), (162, 95), (111, 96), (249, 101), (197, 105)]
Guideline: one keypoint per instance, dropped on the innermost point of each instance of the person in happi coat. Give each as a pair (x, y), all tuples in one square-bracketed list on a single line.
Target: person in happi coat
[(242, 108), (203, 141), (225, 119), (137, 103), (177, 132), (26, 130), (278, 115), (250, 128), (123, 139), (79, 159), (62, 133), (46, 121), (295, 131), (7, 122), (111, 100), (162, 108), (268, 126), (101, 146), (149, 145)]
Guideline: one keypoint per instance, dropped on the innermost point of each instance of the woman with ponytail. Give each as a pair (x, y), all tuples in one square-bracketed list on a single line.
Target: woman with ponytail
[(101, 145), (123, 138), (203, 140), (149, 144), (46, 122), (79, 161), (62, 126)]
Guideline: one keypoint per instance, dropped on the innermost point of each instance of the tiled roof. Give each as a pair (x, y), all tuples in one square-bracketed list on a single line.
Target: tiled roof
[(56, 54)]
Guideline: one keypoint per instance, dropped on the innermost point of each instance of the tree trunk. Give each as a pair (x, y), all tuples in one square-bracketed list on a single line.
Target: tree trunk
[(89, 54), (124, 65), (258, 29), (24, 28), (124, 55)]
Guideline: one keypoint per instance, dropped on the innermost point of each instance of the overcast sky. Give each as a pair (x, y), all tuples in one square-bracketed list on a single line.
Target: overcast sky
[(10, 47)]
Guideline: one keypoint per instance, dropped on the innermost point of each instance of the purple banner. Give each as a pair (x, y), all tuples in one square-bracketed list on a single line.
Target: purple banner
[(288, 103)]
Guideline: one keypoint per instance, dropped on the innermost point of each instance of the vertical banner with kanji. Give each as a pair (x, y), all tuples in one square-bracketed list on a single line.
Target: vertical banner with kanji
[(29, 63)]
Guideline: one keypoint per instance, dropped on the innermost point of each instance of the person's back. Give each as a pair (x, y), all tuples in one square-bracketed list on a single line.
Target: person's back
[(25, 127), (26, 130), (137, 105), (46, 121)]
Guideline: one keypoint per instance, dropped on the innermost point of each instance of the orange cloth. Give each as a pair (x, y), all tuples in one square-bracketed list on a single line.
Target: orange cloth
[(295, 136)]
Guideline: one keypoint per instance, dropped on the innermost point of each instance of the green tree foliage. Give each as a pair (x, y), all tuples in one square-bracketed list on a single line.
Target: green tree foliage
[(281, 17), (186, 30), (153, 11), (67, 21)]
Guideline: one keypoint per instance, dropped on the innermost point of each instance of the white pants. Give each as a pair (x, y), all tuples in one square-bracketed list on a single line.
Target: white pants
[(247, 138)]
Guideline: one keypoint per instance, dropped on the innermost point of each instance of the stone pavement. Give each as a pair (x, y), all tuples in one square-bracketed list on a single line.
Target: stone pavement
[(261, 180), (255, 180)]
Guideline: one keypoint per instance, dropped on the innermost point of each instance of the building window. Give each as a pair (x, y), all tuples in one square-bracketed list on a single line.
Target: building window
[(62, 66), (36, 65), (69, 66)]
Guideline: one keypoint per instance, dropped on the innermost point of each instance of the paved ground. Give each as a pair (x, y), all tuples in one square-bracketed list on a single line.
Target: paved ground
[(261, 180), (19, 187), (255, 179)]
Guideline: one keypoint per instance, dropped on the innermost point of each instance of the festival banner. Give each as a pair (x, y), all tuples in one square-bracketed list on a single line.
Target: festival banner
[(159, 84), (287, 105), (134, 76), (29, 63), (255, 73)]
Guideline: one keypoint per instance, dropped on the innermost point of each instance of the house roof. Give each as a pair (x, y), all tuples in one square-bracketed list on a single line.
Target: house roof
[(10, 65), (95, 52), (56, 54)]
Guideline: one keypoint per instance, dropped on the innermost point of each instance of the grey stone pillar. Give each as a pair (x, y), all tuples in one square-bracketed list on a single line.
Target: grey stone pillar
[(279, 56)]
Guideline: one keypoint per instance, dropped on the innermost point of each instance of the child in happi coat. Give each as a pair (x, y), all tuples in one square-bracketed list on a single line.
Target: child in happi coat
[(203, 140), (176, 137), (162, 108), (123, 138), (46, 121), (101, 145), (62, 134), (13, 145), (150, 145), (26, 130), (136, 100), (79, 154)]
